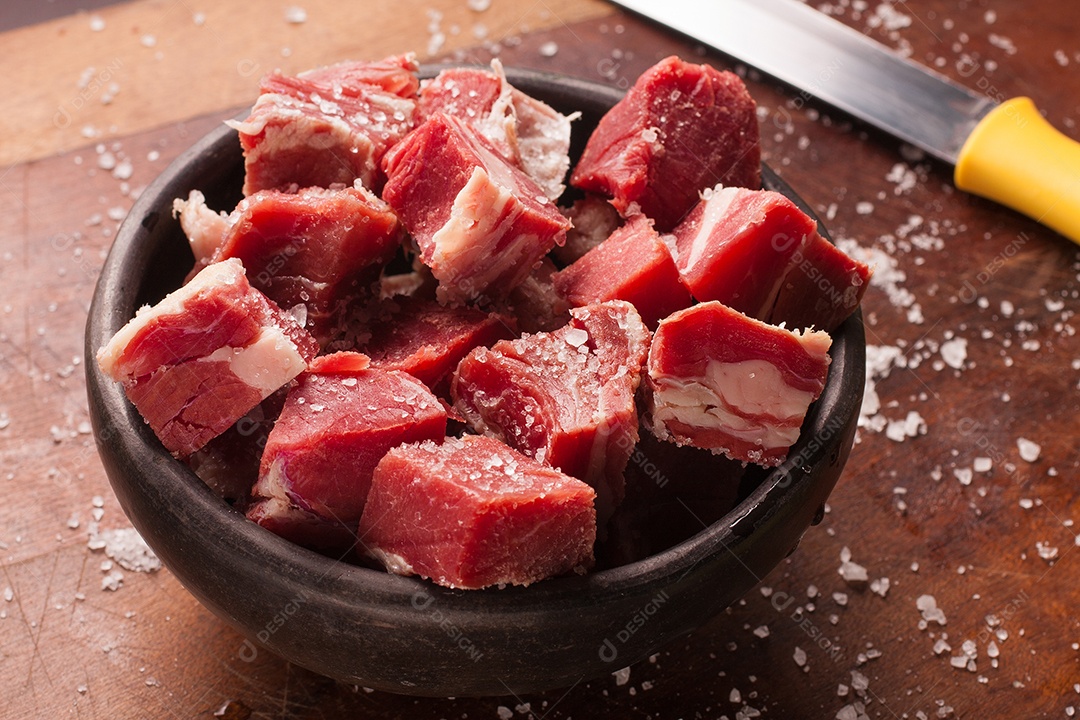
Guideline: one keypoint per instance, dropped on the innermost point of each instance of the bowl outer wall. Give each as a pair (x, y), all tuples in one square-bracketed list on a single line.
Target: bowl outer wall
[(404, 634)]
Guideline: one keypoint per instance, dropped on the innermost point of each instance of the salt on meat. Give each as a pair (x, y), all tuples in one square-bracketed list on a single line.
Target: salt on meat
[(338, 421), (634, 265), (566, 397), (680, 128), (201, 358), (725, 382), (471, 513), (327, 126), (480, 223), (526, 131), (320, 248)]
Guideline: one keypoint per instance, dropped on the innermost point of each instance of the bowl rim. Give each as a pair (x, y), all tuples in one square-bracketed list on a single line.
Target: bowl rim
[(113, 305)]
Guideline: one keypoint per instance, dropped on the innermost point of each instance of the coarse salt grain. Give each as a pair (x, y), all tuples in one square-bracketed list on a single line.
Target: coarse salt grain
[(1029, 450)]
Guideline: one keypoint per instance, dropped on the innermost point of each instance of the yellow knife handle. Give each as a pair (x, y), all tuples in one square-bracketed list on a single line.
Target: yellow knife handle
[(1015, 157)]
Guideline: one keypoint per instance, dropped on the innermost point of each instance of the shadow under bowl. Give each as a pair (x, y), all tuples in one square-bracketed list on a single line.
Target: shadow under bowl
[(404, 634)]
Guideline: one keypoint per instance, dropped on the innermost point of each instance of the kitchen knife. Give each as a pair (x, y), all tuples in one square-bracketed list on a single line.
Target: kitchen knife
[(1001, 149)]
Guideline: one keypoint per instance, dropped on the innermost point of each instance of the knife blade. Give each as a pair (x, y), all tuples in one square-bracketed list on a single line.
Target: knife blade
[(1003, 150)]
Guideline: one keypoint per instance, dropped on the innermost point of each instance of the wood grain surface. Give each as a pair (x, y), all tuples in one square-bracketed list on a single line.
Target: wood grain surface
[(976, 304)]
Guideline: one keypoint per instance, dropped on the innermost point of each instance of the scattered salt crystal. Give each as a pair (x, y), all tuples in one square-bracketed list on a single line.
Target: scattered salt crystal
[(113, 581), (983, 464), (106, 161), (478, 5), (927, 605), (1029, 450), (148, 40), (199, 19), (992, 649), (762, 631), (1027, 503), (549, 49), (295, 15), (864, 208), (799, 656), (97, 23), (848, 712), (1061, 58), (123, 170), (9, 594), (859, 682), (958, 661), (735, 696), (880, 586), (504, 712), (941, 646), (840, 598), (954, 352), (1046, 551), (1007, 308), (622, 676), (964, 475)]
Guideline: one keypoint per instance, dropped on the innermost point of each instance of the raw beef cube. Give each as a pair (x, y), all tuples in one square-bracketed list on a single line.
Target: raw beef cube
[(196, 362), (428, 340), (204, 228), (481, 224), (726, 382), (395, 74), (594, 220), (316, 131), (471, 513), (527, 132), (338, 421), (634, 265), (680, 129), (823, 285), (565, 398), (318, 248), (736, 246)]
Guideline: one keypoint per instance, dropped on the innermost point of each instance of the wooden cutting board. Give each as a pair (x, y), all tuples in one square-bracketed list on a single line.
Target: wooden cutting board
[(976, 304)]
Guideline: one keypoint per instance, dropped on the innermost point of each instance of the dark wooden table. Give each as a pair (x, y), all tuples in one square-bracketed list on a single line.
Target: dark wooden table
[(972, 320)]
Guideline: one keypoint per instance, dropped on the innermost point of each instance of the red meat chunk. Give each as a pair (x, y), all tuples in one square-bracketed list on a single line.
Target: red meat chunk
[(481, 224), (634, 265), (204, 228), (428, 340), (680, 129), (331, 125), (196, 362), (736, 246), (527, 132), (337, 423), (318, 248), (822, 287), (471, 513), (395, 74), (565, 398), (725, 382)]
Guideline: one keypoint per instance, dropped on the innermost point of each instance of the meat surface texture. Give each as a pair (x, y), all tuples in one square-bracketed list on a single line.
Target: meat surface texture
[(680, 129), (736, 247), (200, 359), (728, 383), (428, 340), (471, 513), (204, 228), (822, 287), (565, 398), (337, 423), (594, 220), (316, 247), (481, 224), (633, 265), (330, 125), (527, 132)]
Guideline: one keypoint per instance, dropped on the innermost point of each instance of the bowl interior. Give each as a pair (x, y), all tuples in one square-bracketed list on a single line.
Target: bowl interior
[(404, 634)]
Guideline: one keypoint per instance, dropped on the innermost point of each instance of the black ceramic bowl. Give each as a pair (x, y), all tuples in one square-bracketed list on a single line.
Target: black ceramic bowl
[(407, 635)]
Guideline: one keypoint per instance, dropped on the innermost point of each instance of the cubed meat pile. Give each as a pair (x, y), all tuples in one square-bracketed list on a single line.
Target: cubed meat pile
[(410, 345)]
